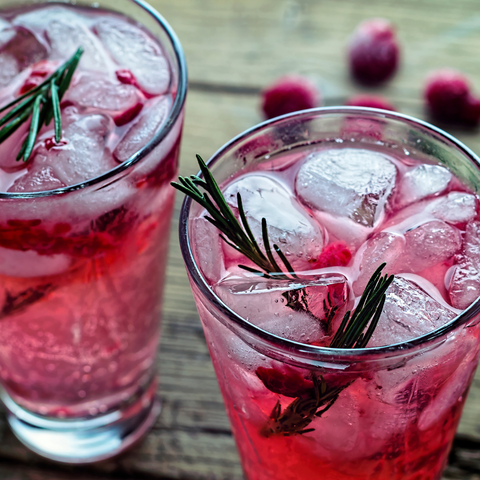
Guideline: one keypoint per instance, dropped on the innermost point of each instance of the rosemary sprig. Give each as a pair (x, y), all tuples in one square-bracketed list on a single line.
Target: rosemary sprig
[(355, 330), (238, 236), (41, 104)]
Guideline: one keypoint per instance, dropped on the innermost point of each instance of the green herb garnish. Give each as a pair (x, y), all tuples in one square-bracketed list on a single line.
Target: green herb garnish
[(238, 236), (351, 334), (41, 104), (355, 330)]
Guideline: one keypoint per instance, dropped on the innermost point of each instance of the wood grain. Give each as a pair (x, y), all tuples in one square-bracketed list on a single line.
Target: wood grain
[(233, 50)]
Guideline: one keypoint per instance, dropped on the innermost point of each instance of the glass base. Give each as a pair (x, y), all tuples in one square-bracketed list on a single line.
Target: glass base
[(83, 440)]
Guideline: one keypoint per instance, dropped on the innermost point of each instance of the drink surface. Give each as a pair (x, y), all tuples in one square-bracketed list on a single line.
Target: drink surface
[(338, 212), (82, 273)]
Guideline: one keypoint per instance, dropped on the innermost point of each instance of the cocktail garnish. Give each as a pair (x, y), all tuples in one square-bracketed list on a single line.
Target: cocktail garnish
[(351, 334), (42, 104), (238, 236), (355, 330)]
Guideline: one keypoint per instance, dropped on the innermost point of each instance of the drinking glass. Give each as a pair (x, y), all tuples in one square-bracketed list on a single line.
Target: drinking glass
[(80, 309), (397, 416)]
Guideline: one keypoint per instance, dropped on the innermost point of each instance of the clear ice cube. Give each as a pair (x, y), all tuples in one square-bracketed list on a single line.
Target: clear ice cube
[(409, 312), (84, 155), (290, 226), (134, 49), (37, 180), (292, 309), (143, 130), (19, 49), (208, 248), (429, 244), (347, 182), (382, 247), (456, 207), (465, 284), (8, 69), (30, 264), (423, 181), (65, 32), (97, 92)]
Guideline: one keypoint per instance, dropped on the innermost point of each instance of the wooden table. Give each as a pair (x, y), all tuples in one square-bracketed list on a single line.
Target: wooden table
[(233, 49)]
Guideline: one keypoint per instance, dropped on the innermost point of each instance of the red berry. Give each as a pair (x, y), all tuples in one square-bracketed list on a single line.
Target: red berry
[(50, 142), (289, 94), (373, 51), (128, 115), (287, 382), (371, 101), (334, 255), (449, 99), (126, 76)]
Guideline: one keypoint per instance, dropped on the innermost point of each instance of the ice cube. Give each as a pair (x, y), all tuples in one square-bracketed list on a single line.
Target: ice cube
[(137, 51), (429, 244), (423, 181), (18, 49), (383, 247), (37, 180), (208, 249), (83, 156), (465, 284), (409, 312), (8, 69), (97, 92), (66, 31), (297, 234), (143, 130), (456, 207), (30, 264), (292, 309), (349, 183), (452, 393), (24, 47)]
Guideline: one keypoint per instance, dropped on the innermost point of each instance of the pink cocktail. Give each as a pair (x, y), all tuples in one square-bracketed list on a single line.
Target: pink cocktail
[(84, 225), (343, 191)]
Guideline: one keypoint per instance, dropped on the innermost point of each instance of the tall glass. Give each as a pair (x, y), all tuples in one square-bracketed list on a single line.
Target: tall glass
[(82, 271), (397, 417)]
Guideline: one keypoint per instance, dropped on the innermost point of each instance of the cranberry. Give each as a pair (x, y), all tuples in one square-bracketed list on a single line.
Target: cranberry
[(126, 76), (371, 101), (50, 142), (289, 94), (287, 382), (449, 99), (373, 51), (334, 255), (128, 115)]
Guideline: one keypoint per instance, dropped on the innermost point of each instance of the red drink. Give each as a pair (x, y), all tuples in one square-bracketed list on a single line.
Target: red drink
[(84, 227), (342, 192)]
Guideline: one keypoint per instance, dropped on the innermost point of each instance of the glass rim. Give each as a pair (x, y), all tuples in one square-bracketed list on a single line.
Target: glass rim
[(290, 347), (165, 129)]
